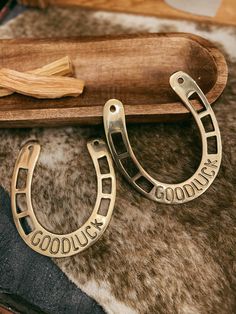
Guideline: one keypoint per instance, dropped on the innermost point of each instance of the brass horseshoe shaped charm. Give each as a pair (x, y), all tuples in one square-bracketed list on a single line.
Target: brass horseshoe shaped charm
[(114, 124), (58, 245)]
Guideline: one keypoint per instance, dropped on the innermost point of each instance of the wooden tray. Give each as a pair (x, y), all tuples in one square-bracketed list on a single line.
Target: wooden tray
[(226, 14), (134, 69)]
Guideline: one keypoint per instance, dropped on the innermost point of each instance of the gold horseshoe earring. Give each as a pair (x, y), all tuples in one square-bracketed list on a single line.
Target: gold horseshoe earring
[(62, 245), (115, 126)]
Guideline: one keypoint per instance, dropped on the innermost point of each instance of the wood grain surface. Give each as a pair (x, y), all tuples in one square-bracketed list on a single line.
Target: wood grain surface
[(226, 13), (134, 69)]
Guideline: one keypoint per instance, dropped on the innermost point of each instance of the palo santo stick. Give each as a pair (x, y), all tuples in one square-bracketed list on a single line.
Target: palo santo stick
[(61, 67), (40, 86)]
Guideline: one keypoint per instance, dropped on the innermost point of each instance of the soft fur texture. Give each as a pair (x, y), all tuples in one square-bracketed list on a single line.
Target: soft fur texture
[(153, 258)]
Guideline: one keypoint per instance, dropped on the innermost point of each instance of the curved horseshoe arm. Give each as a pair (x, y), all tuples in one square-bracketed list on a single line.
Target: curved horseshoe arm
[(57, 245), (115, 126)]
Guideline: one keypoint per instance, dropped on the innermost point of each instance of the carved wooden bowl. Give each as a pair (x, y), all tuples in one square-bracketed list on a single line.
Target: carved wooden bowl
[(134, 69)]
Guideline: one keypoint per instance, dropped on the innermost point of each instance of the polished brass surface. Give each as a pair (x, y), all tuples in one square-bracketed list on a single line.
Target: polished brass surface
[(199, 182), (62, 245)]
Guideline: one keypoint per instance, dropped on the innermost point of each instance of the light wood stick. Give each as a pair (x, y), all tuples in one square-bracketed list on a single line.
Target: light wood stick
[(40, 86), (60, 67)]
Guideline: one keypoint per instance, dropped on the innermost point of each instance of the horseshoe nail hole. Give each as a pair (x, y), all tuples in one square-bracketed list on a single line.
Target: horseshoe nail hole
[(103, 165), (96, 142), (21, 203), (106, 186), (113, 108), (207, 123), (21, 178), (129, 166), (212, 145), (195, 97), (180, 80), (26, 224), (104, 206), (144, 184), (118, 143)]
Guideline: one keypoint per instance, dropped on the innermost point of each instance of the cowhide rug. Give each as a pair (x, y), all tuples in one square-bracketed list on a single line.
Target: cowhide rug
[(153, 258)]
